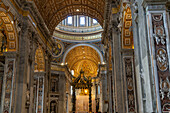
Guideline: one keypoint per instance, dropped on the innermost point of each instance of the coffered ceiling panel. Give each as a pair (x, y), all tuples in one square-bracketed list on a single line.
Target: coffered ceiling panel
[(54, 11)]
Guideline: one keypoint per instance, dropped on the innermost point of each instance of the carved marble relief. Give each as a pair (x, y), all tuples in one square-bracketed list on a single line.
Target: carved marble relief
[(131, 103), (2, 60), (161, 56), (8, 86), (35, 89), (38, 94), (1, 83)]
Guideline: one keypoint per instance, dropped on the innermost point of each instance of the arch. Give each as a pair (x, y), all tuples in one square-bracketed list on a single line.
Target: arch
[(8, 36), (55, 19), (39, 65), (54, 12), (77, 45)]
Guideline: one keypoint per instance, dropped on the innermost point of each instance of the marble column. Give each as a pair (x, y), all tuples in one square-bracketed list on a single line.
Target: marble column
[(138, 65), (118, 77), (48, 59), (62, 94), (22, 64), (104, 92)]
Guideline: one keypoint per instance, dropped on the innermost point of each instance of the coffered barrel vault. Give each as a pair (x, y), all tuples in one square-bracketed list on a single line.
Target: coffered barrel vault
[(54, 11)]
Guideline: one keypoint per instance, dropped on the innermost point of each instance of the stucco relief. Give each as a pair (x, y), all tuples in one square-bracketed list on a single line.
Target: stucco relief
[(162, 59), (9, 86), (130, 85), (161, 56)]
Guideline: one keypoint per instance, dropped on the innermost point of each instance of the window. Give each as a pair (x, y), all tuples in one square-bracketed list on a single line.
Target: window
[(71, 89), (98, 90), (70, 20), (72, 72), (94, 21), (82, 20)]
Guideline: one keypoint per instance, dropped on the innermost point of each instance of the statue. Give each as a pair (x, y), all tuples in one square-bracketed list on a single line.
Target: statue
[(3, 40)]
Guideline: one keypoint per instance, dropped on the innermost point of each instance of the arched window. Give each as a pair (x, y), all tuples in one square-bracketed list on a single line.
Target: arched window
[(70, 20), (95, 21), (82, 21)]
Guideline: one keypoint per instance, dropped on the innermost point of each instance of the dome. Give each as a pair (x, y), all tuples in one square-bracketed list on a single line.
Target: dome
[(78, 28)]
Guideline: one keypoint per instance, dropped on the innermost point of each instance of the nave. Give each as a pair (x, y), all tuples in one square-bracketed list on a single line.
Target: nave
[(84, 56)]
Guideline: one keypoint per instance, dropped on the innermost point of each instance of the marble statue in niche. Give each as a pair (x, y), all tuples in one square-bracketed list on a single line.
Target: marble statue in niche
[(3, 40), (53, 107), (54, 84)]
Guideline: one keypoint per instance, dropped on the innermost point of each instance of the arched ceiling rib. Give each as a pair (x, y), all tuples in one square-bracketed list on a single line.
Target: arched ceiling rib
[(54, 11)]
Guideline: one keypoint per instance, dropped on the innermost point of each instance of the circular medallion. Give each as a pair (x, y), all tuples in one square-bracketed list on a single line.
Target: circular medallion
[(58, 49)]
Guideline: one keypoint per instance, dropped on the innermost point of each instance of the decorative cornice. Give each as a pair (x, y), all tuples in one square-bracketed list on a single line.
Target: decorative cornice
[(10, 54), (155, 4)]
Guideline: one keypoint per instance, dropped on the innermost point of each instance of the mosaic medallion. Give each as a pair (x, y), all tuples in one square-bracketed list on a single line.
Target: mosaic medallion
[(58, 49)]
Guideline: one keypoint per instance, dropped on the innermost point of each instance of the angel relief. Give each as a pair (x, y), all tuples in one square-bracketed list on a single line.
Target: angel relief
[(159, 35), (3, 40), (161, 59)]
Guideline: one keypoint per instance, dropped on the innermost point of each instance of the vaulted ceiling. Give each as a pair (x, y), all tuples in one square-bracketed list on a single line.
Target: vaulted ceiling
[(83, 57), (54, 11)]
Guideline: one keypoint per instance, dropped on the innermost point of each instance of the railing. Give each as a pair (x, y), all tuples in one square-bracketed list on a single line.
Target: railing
[(63, 36), (79, 29)]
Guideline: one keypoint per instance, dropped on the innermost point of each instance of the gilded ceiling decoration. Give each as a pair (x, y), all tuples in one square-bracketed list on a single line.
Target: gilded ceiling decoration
[(85, 58), (7, 33), (54, 11), (127, 29), (39, 61)]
